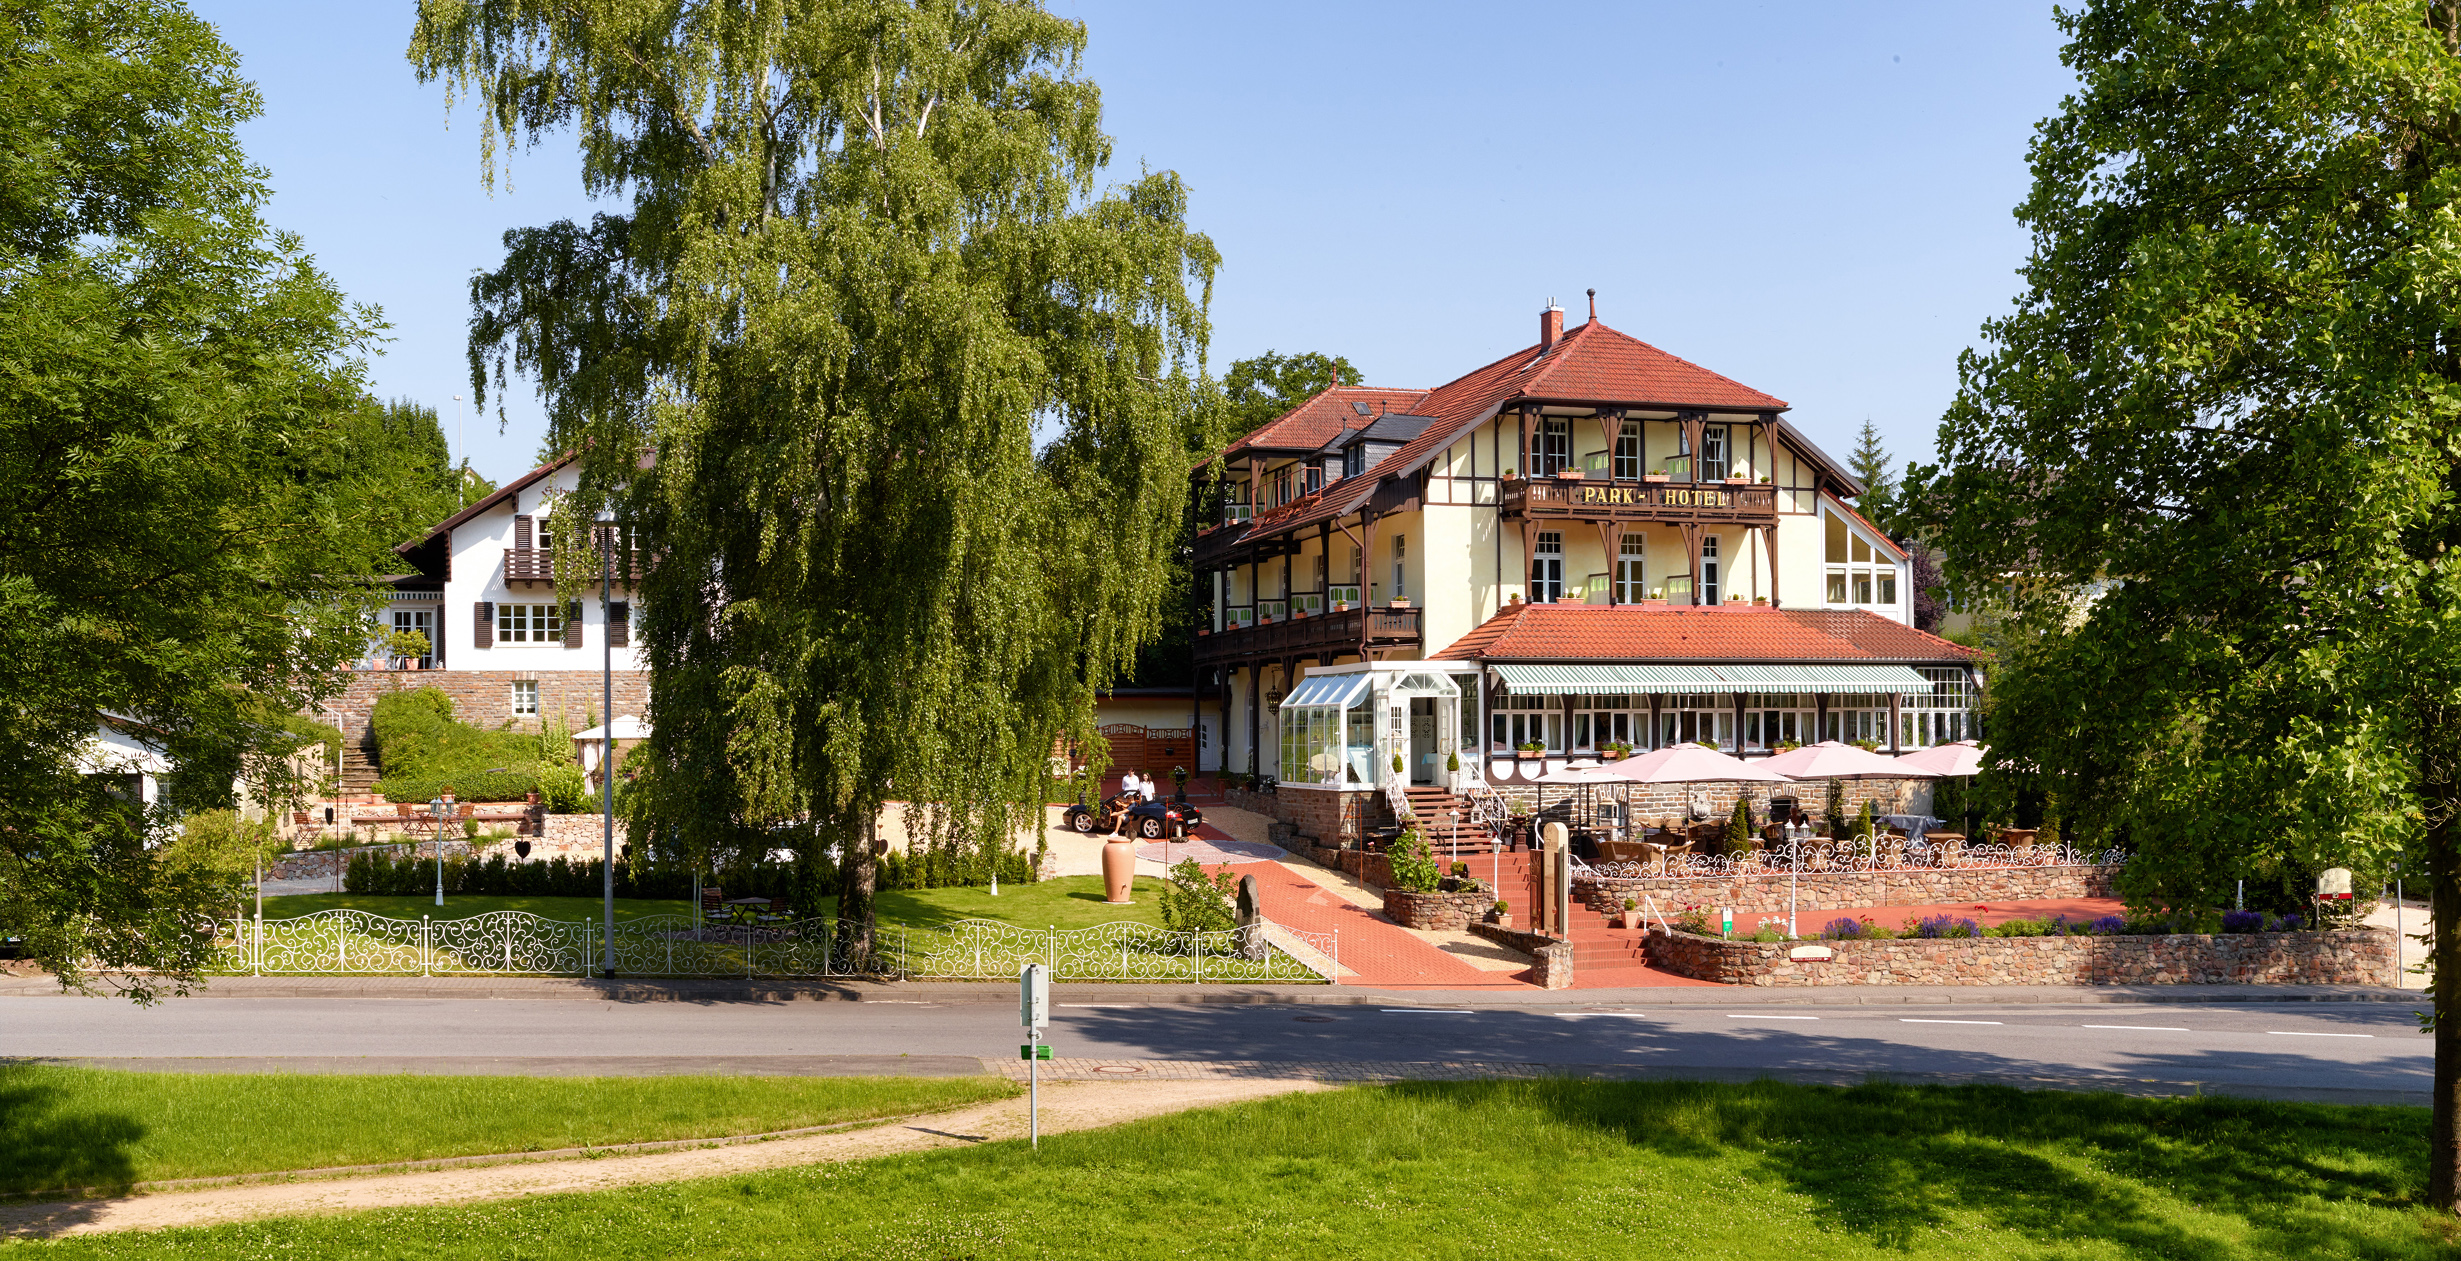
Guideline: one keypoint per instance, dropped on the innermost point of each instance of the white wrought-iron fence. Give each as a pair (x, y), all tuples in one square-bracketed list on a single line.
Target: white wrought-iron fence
[(517, 943)]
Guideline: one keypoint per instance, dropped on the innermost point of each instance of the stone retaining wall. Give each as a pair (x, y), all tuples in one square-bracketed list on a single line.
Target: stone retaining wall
[(1553, 971), (1913, 886), (484, 698), (1436, 910), (2364, 956)]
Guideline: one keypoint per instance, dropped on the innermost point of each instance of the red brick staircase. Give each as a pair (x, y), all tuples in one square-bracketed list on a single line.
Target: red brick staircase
[(1603, 955), (1445, 820)]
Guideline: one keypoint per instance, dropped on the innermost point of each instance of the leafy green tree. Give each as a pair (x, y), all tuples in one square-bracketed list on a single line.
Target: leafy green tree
[(1259, 389), (191, 500), (867, 265), (2225, 407)]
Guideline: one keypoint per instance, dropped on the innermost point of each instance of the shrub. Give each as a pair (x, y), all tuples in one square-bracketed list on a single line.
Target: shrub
[(1836, 810), (1843, 928), (2243, 921), (495, 876), (1694, 920), (1195, 902), (1414, 864), (2108, 926), (1739, 828), (2020, 928), (423, 750), (1769, 932), (1864, 823), (2288, 924), (1943, 926)]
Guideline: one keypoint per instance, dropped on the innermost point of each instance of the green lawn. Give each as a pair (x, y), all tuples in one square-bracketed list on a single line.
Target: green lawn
[(1067, 902), (76, 1127), (1492, 1169), (459, 906)]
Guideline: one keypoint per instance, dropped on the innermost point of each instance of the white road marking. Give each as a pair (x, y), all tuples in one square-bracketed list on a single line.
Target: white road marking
[(1917, 1020), (2146, 1028), (1734, 1015), (1584, 1015), (2298, 1033), (1427, 1011)]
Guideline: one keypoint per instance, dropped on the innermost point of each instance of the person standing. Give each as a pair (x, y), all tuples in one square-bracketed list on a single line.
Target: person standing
[(1145, 786), (1129, 783)]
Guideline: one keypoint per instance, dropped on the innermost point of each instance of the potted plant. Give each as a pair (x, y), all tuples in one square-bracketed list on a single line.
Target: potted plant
[(1614, 749), (1568, 473), (1659, 476), (1631, 917), (1500, 914), (1532, 748), (1401, 602), (1764, 479), (1511, 476)]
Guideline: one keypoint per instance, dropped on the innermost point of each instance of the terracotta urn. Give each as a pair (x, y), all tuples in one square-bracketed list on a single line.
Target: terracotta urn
[(1119, 867)]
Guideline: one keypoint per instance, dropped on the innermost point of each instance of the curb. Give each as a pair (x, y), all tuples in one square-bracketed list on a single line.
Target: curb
[(1167, 995)]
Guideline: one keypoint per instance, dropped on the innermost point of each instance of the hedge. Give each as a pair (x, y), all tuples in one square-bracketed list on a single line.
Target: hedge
[(423, 751)]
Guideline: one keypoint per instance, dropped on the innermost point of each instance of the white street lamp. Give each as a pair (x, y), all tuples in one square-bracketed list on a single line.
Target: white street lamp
[(606, 747)]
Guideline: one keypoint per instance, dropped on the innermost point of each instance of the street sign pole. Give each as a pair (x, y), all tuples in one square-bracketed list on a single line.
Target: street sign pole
[(1034, 1011)]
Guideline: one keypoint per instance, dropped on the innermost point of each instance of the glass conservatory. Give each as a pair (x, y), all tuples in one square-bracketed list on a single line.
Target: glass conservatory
[(1343, 726)]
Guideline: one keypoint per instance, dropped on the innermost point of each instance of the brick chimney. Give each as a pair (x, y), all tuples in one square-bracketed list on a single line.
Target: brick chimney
[(1550, 326)]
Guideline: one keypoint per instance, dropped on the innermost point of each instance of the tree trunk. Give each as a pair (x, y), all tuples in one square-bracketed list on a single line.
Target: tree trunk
[(2443, 841), (858, 879)]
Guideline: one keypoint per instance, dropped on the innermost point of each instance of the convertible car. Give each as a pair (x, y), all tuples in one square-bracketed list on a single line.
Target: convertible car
[(1127, 813)]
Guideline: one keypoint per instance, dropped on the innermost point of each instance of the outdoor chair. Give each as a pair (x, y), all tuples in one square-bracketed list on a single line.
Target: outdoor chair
[(713, 902), (1947, 848)]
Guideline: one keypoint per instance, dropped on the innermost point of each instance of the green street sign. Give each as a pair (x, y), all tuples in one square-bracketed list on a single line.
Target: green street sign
[(1034, 1051)]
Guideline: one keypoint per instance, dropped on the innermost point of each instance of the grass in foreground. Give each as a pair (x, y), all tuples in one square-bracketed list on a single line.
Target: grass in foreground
[(79, 1127), (1535, 1169), (1067, 902), (460, 906)]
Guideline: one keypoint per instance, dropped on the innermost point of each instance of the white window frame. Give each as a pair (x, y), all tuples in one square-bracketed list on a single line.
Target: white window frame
[(1631, 569), (1547, 568), (525, 698), (1711, 591), (529, 625)]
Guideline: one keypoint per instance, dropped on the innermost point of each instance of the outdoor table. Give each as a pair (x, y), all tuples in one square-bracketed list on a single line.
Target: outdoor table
[(1913, 825)]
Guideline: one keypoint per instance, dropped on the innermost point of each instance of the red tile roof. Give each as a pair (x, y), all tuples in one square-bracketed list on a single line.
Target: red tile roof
[(1322, 418), (1592, 363), (1722, 633)]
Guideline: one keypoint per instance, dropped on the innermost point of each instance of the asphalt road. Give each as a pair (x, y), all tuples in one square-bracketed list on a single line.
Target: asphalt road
[(2314, 1049)]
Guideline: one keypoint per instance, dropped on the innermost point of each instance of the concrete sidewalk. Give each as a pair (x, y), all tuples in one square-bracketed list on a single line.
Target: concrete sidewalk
[(588, 989)]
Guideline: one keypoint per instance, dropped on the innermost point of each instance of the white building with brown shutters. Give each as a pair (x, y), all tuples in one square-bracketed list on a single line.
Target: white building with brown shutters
[(480, 586)]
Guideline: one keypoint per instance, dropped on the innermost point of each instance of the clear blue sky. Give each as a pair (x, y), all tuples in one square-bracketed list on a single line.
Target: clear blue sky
[(1811, 198)]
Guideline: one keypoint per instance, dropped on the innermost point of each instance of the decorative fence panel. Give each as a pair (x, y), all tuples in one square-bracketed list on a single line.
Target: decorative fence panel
[(516, 943), (1825, 856)]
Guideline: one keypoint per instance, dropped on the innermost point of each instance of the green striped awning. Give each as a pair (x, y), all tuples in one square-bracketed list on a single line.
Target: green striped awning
[(1591, 680), (1609, 679)]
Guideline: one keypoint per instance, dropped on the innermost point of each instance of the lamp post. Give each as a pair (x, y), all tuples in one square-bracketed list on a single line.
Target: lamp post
[(606, 746), (441, 806)]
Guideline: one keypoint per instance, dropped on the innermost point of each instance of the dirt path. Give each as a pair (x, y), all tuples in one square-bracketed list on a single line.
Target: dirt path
[(1065, 1106)]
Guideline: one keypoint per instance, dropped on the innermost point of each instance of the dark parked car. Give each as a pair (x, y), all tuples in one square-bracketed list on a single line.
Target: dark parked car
[(1127, 813)]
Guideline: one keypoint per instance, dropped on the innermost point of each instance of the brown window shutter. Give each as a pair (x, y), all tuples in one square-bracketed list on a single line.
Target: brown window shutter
[(619, 624), (572, 624), (521, 533), (483, 625)]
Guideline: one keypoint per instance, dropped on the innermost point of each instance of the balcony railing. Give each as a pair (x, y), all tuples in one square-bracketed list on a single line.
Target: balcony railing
[(1601, 500), (1343, 631), (534, 564)]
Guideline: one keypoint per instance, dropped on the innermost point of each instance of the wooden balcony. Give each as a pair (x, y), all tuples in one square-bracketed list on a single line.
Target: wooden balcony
[(1344, 633), (531, 565), (1587, 499)]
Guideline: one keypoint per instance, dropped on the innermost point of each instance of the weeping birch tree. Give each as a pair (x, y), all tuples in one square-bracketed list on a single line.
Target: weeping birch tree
[(2229, 400), (894, 387)]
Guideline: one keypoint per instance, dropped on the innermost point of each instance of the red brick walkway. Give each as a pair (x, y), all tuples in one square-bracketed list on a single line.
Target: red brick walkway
[(1375, 951)]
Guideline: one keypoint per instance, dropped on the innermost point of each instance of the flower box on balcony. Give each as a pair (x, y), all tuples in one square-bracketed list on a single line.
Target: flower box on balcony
[(1737, 481), (1264, 621), (1401, 602), (1568, 475), (1654, 477), (1201, 630)]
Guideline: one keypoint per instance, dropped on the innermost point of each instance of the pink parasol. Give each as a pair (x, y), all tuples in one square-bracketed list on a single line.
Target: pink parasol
[(1832, 760), (1963, 757), (1691, 764)]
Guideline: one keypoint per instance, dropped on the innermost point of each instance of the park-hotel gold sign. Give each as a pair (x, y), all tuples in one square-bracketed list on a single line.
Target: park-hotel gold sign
[(1655, 496)]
